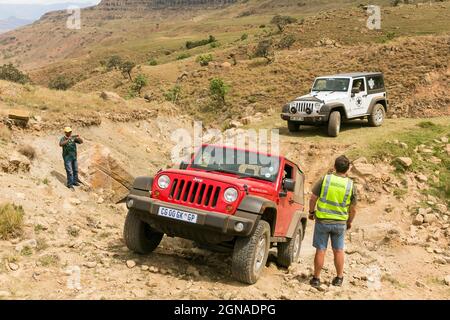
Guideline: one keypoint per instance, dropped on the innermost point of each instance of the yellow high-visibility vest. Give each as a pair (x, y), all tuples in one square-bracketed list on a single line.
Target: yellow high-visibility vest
[(335, 198)]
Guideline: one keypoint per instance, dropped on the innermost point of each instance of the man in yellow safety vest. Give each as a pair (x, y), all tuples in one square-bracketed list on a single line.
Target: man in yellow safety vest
[(333, 207)]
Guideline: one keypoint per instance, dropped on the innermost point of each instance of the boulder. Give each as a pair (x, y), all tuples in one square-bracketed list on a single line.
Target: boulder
[(418, 220), (16, 163), (111, 96), (422, 178), (364, 169), (226, 65), (429, 218), (447, 280), (100, 170), (404, 161)]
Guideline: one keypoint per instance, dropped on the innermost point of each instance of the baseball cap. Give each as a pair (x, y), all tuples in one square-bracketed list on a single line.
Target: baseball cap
[(67, 129)]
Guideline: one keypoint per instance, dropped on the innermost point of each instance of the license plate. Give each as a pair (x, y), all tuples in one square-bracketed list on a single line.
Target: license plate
[(177, 215), (294, 118)]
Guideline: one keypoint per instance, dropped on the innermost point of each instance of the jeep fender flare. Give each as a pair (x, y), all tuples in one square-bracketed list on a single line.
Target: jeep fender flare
[(256, 207), (380, 100), (299, 218), (142, 186), (328, 108)]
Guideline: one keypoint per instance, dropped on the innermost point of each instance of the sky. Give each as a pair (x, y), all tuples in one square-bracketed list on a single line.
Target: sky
[(46, 1)]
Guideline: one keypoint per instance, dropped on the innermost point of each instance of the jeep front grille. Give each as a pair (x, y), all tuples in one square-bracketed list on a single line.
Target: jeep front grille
[(199, 193), (301, 106)]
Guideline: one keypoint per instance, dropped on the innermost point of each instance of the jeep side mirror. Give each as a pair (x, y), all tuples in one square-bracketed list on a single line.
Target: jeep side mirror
[(289, 185), (355, 91)]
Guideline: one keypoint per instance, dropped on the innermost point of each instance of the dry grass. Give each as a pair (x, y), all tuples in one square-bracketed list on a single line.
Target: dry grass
[(11, 221), (5, 133), (28, 151)]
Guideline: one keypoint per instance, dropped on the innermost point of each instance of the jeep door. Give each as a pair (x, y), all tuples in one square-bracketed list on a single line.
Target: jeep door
[(359, 102), (290, 202)]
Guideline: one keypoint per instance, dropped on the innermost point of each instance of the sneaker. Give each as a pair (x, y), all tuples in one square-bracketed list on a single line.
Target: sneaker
[(337, 282), (76, 184), (71, 188), (315, 282)]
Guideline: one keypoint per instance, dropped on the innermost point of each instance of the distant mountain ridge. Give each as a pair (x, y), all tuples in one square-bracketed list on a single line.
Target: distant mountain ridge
[(35, 11), (160, 4), (12, 23)]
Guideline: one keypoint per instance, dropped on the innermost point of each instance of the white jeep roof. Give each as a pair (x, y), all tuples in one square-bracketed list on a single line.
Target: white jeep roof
[(352, 75)]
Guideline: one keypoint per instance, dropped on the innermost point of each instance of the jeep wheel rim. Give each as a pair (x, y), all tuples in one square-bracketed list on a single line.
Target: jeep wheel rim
[(260, 254), (379, 116)]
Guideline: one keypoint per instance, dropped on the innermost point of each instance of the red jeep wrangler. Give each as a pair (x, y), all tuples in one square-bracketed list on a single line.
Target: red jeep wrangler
[(245, 201)]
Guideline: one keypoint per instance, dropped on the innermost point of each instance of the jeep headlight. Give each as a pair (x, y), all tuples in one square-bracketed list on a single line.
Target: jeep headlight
[(317, 105), (163, 182), (230, 195)]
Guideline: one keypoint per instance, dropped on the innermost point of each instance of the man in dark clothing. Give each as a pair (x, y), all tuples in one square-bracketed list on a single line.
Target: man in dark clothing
[(69, 145), (335, 197)]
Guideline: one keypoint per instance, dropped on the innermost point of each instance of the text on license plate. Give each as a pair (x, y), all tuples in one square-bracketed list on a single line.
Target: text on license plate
[(294, 118), (177, 215)]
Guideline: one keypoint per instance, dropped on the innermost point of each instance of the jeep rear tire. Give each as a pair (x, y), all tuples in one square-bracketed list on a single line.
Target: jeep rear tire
[(377, 116), (250, 254), (293, 126), (289, 252), (334, 124), (139, 236)]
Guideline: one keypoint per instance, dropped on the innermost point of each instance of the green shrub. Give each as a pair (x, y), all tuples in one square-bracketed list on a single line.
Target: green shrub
[(218, 90), (286, 42), (113, 62), (244, 37), (173, 94), (61, 82), (10, 73), (205, 59), (183, 56), (152, 62), (11, 221), (138, 83), (194, 44), (282, 21), (264, 50), (126, 67)]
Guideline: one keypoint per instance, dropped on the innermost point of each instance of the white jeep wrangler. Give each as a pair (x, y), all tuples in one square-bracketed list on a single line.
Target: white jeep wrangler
[(338, 98)]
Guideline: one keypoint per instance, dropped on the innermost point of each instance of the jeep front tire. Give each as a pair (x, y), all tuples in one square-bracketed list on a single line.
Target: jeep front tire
[(334, 124), (250, 254), (289, 252), (293, 126), (377, 116), (139, 236)]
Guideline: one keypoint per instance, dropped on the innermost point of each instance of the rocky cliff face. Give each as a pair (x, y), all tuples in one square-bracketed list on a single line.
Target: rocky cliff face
[(160, 4)]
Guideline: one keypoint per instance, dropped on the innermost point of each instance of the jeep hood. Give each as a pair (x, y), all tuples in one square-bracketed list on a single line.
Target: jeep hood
[(323, 96), (255, 186)]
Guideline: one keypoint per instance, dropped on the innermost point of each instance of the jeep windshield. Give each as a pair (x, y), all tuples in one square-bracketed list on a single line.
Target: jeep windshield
[(331, 84), (244, 164)]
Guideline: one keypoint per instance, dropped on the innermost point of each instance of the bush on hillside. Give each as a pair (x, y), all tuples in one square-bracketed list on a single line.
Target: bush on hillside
[(113, 62), (61, 82), (138, 83), (126, 67), (218, 90), (286, 42), (205, 59), (11, 73), (194, 44), (264, 50), (183, 56), (173, 94), (11, 221), (282, 21)]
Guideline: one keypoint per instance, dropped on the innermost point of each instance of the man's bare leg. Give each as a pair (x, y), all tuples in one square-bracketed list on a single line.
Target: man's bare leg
[(318, 262), (339, 262)]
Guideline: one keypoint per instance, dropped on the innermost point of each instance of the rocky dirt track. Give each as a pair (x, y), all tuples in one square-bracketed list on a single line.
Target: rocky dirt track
[(67, 233)]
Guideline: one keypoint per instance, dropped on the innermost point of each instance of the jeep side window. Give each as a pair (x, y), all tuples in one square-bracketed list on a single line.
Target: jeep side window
[(359, 84), (375, 82), (288, 172)]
